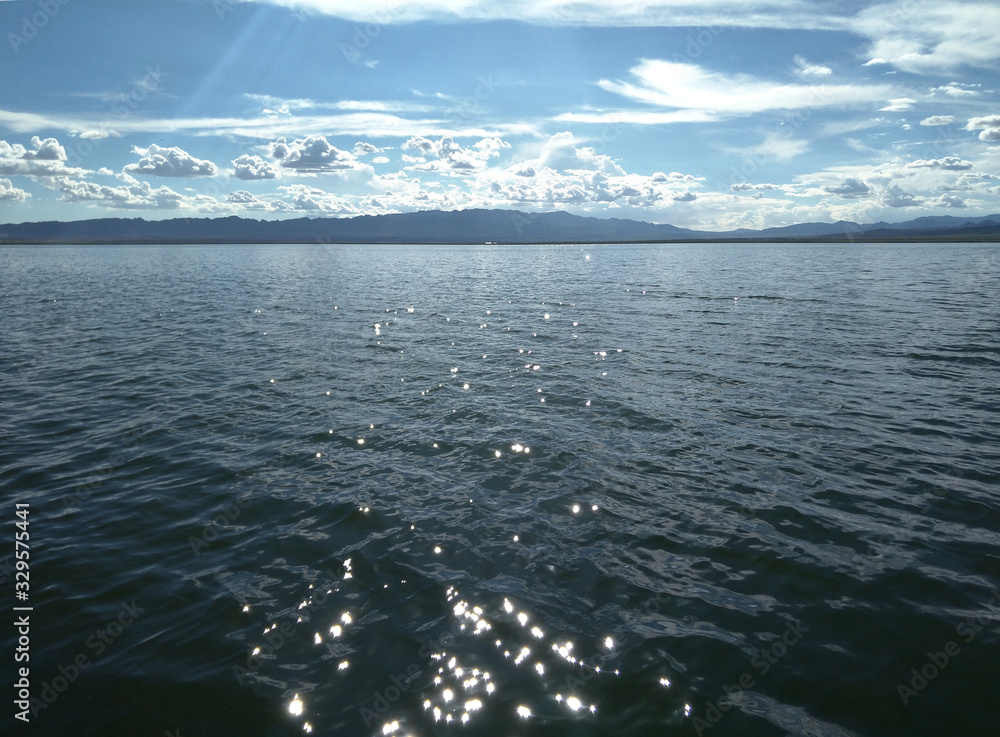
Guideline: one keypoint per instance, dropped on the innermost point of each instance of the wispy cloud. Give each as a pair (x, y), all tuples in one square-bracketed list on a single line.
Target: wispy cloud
[(353, 124), (925, 37), (898, 105), (685, 86), (605, 13)]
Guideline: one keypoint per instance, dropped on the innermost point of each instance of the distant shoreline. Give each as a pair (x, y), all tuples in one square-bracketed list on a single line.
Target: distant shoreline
[(819, 240), (480, 227)]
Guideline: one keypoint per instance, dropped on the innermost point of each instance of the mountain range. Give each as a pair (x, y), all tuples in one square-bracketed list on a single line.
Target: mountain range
[(474, 226)]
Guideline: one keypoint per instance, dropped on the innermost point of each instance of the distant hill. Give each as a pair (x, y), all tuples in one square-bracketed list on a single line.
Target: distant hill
[(470, 226)]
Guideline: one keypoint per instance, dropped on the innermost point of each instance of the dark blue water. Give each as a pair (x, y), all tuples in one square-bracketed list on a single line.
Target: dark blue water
[(611, 490)]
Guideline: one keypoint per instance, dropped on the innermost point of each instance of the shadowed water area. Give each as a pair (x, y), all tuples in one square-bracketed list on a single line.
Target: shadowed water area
[(533, 490)]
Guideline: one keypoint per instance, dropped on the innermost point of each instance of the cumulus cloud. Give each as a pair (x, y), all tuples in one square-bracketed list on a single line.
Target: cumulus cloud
[(674, 176), (989, 125), (363, 148), (318, 202), (312, 155), (163, 161), (949, 200), (11, 193), (952, 163), (850, 188), (241, 196), (560, 153), (45, 158), (896, 197), (140, 195), (565, 174), (47, 150), (938, 120), (380, 160), (246, 200), (446, 156), (251, 167), (747, 187)]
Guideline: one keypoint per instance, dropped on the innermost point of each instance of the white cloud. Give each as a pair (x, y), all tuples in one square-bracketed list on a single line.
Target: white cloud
[(926, 37), (251, 167), (291, 106), (721, 13), (363, 148), (675, 177), (97, 135), (162, 161), (957, 89), (747, 187), (10, 193), (896, 197), (938, 120), (312, 155), (952, 163), (315, 201), (45, 158), (246, 201), (989, 125), (638, 117), (850, 188), (372, 124), (859, 145), (688, 86), (131, 196), (565, 174), (380, 160), (899, 105), (47, 150), (949, 201), (807, 70), (560, 153), (775, 146), (446, 156), (870, 193)]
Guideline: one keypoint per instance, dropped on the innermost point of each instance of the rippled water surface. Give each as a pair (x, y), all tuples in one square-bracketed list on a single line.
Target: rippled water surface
[(420, 490)]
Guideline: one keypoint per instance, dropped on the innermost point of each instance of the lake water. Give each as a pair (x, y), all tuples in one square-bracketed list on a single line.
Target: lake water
[(601, 490)]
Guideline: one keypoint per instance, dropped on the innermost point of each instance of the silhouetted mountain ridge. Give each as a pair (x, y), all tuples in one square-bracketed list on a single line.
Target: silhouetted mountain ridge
[(466, 226)]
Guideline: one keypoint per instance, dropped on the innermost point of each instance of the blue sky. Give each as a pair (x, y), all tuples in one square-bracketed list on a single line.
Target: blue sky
[(713, 114)]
